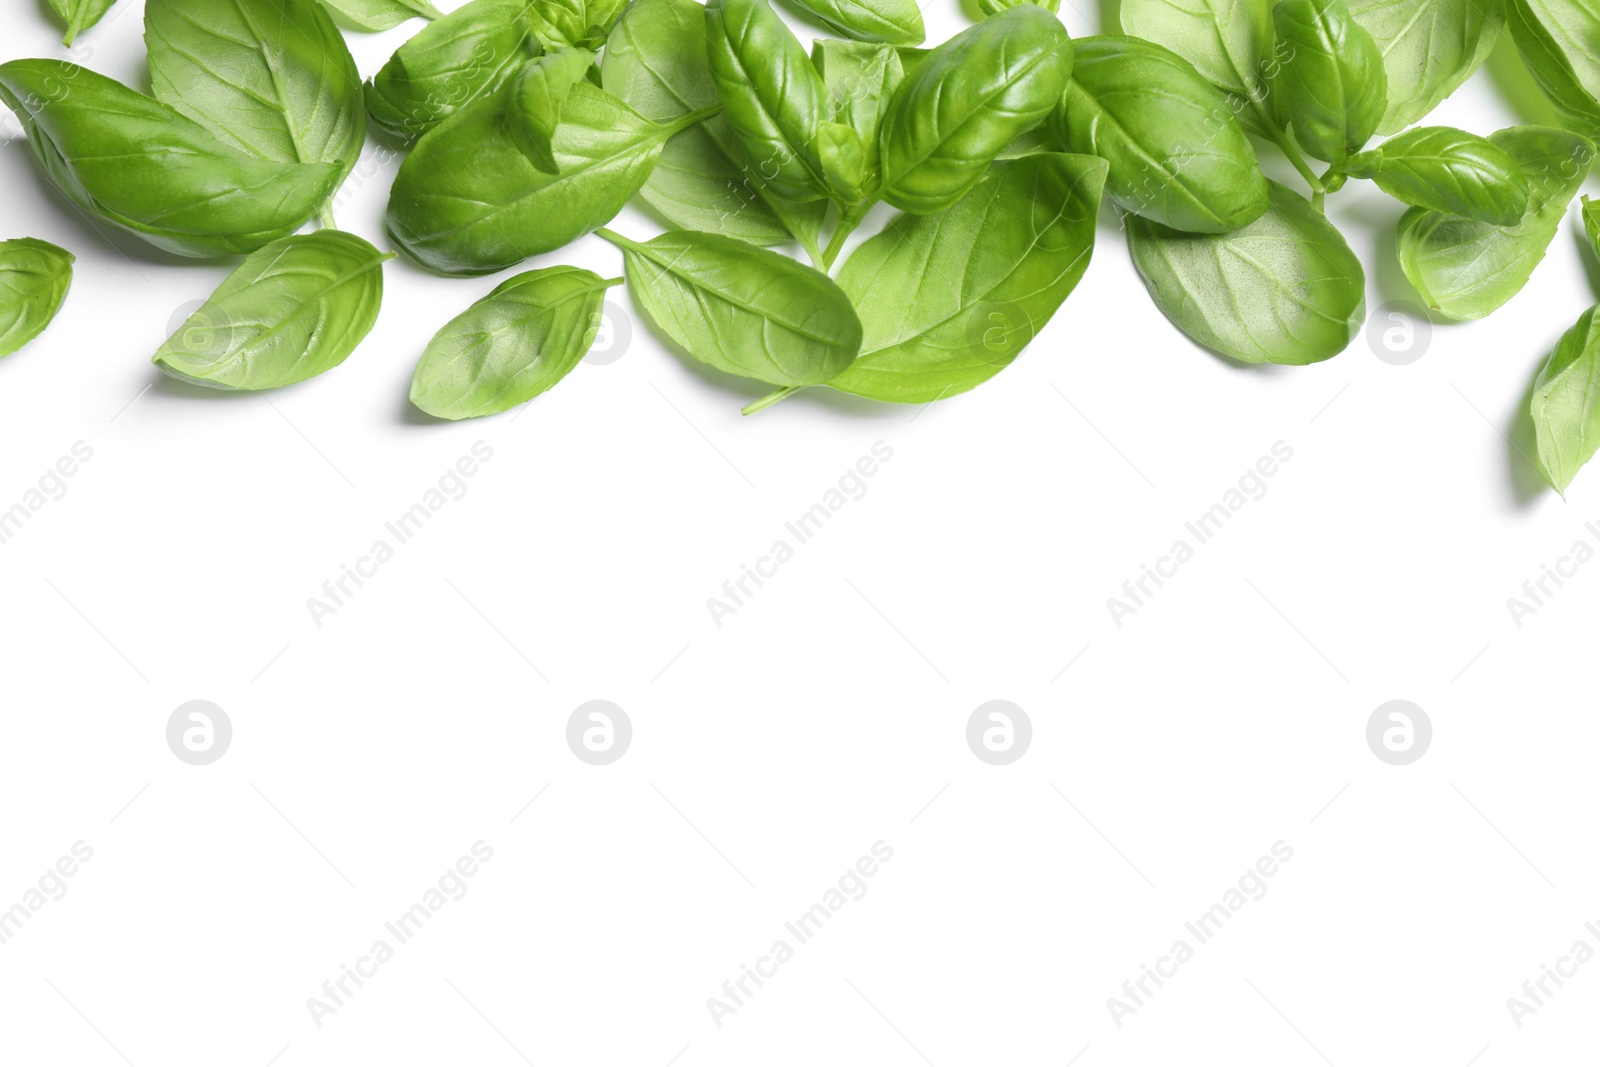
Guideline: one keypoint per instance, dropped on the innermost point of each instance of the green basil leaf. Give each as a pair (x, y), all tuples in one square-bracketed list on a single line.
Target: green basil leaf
[(292, 310), (271, 78), (1429, 48), (1591, 223), (561, 23), (512, 345), (34, 279), (743, 309), (950, 300), (1566, 403), (771, 95), (372, 15), (142, 166), (540, 92), (1447, 170), (80, 15), (1467, 269), (965, 101), (467, 200), (844, 161), (1228, 41), (603, 14), (1285, 289), (1331, 88), (1560, 43), (991, 8), (861, 80), (655, 60), (897, 22), (464, 56), (1177, 154)]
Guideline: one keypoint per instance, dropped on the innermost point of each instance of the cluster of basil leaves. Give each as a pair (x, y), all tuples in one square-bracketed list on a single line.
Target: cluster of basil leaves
[(531, 123)]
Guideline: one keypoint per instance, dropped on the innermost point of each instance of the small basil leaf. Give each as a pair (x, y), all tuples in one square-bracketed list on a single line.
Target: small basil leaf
[(950, 300), (1560, 43), (1177, 154), (80, 15), (771, 94), (291, 310), (896, 22), (1228, 41), (512, 345), (373, 15), (34, 279), (965, 101), (536, 101), (464, 56), (602, 15), (1591, 222), (990, 8), (1447, 170), (861, 80), (844, 161), (1331, 88), (743, 309), (560, 23), (1429, 48), (1468, 269), (1566, 403), (1285, 289), (142, 166)]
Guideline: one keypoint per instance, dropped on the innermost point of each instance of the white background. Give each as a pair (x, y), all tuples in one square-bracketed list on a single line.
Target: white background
[(827, 714)]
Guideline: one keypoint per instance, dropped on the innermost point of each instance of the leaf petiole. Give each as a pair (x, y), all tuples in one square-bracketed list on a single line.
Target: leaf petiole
[(770, 399)]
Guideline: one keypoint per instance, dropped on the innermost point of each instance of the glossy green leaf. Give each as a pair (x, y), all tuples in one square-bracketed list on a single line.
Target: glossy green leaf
[(1331, 87), (373, 15), (1285, 289), (467, 200), (465, 56), (1429, 48), (1591, 223), (1228, 41), (743, 309), (1559, 40), (844, 161), (991, 8), (1566, 403), (271, 78), (536, 101), (897, 22), (1467, 269), (1177, 154), (34, 279), (562, 24), (603, 14), (965, 101), (512, 345), (950, 300), (861, 79), (142, 166), (1447, 170), (80, 15), (292, 310)]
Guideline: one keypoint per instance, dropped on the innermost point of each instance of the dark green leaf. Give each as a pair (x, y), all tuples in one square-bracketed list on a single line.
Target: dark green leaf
[(1447, 170), (540, 92), (34, 279), (1429, 48), (1331, 86), (1566, 403)]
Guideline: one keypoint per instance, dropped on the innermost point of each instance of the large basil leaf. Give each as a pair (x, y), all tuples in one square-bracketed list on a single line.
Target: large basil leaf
[(743, 309), (272, 78), (34, 279), (1447, 170), (1559, 40), (1285, 289), (950, 300), (540, 93), (468, 200), (381, 14), (1566, 403), (80, 15), (1468, 269), (1228, 41), (1429, 48), (771, 95), (1332, 88), (464, 56), (861, 80), (655, 60), (292, 310), (144, 167), (512, 345), (1177, 154), (966, 100), (896, 22)]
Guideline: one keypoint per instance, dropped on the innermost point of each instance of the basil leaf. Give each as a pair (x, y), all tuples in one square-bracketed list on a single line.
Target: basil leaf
[(1429, 48), (1331, 88), (1447, 170), (292, 310), (1177, 154), (897, 22), (1285, 289), (80, 15), (994, 7), (655, 60), (965, 101), (561, 24), (1566, 403), (464, 56), (512, 345), (844, 161), (540, 92), (1228, 41), (1560, 43), (271, 78), (1591, 223), (771, 95), (603, 15), (467, 200), (34, 279), (381, 14), (142, 166), (861, 80), (1468, 269), (742, 309), (950, 300)]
